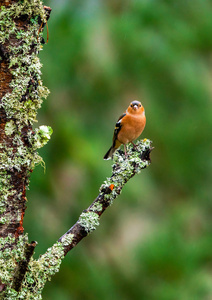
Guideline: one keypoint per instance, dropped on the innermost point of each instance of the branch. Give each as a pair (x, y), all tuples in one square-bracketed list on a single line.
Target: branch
[(23, 266), (41, 270), (122, 170)]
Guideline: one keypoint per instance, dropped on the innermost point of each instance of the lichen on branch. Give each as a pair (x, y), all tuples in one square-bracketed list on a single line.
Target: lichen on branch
[(49, 263), (123, 169)]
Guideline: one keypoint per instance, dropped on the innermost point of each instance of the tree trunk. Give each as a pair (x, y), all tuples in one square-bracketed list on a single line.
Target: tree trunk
[(21, 93)]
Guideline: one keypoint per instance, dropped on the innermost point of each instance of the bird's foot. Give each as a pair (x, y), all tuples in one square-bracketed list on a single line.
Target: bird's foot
[(135, 147)]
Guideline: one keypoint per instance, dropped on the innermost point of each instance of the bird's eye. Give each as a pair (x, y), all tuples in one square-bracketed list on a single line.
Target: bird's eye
[(131, 105)]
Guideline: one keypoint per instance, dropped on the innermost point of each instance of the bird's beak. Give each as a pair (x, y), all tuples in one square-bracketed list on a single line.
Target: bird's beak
[(135, 107)]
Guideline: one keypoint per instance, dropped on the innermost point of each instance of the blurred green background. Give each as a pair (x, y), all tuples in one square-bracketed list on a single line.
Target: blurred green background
[(155, 242)]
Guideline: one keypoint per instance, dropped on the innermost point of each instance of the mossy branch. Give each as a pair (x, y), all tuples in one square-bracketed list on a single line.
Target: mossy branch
[(122, 170)]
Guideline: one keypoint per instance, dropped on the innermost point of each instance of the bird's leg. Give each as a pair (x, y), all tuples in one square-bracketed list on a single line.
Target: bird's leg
[(134, 145), (125, 151)]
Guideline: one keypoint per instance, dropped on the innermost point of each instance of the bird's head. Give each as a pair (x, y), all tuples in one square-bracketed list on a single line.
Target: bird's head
[(135, 107)]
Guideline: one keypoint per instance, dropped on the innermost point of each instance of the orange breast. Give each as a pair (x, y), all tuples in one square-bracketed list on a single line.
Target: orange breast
[(132, 127)]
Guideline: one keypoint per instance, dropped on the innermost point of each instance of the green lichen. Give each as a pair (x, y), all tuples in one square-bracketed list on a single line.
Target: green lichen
[(10, 127), (41, 270), (41, 136), (51, 260), (31, 8), (5, 191), (89, 220), (38, 272), (67, 239), (96, 207), (9, 258), (23, 157)]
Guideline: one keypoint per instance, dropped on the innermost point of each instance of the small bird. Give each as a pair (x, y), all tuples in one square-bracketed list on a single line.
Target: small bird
[(128, 127)]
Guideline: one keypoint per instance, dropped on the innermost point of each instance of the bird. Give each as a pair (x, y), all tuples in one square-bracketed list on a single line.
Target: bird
[(128, 127)]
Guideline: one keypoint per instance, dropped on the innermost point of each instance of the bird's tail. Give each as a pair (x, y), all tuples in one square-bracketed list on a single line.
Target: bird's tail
[(110, 152)]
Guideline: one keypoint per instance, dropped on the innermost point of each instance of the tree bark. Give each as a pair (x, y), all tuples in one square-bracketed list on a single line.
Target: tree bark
[(21, 94), (16, 130)]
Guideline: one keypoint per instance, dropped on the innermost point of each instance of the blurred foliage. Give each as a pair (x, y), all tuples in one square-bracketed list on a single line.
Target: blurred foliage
[(155, 241)]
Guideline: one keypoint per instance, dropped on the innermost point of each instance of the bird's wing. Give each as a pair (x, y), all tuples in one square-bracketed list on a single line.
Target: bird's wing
[(118, 127)]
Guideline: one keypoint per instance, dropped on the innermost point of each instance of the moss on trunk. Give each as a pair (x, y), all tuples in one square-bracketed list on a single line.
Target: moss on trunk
[(21, 94)]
